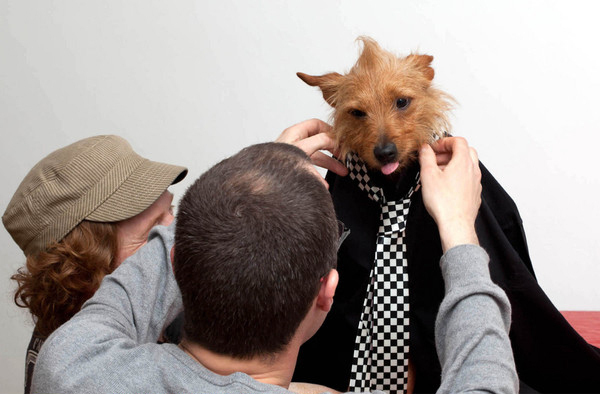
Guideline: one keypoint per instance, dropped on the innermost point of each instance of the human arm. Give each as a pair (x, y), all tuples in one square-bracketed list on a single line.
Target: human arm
[(313, 136), (451, 188), (472, 325), (98, 349), (471, 330)]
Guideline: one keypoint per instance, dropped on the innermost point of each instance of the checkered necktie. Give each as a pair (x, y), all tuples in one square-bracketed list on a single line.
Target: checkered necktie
[(380, 360)]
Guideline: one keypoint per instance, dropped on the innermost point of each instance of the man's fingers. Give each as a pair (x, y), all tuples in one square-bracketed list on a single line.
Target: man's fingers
[(446, 149), (314, 136), (443, 159), (322, 160), (443, 145), (427, 159), (316, 143), (474, 156), (303, 130), (449, 144), (477, 169)]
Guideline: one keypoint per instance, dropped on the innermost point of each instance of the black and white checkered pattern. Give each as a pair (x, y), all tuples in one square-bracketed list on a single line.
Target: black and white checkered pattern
[(380, 360), (357, 170)]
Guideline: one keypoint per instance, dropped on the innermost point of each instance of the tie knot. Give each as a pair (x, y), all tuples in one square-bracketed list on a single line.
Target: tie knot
[(357, 170)]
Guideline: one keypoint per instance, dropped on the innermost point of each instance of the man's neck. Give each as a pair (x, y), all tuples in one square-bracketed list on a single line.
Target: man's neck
[(277, 369)]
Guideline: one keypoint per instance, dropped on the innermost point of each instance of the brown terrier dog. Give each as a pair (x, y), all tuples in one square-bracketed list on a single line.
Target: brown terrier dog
[(385, 108)]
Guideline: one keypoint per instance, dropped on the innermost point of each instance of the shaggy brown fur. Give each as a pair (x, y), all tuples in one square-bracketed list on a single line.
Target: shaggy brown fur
[(385, 107)]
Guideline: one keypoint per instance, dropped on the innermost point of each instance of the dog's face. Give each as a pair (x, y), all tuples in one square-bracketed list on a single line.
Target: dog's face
[(384, 108)]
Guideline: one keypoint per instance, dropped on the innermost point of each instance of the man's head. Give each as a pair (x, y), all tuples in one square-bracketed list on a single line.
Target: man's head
[(254, 235)]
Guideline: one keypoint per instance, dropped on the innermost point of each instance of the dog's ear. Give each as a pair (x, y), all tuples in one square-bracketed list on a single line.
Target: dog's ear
[(328, 83), (423, 63)]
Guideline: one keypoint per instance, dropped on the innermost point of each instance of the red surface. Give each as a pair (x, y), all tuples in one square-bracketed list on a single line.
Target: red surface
[(587, 324)]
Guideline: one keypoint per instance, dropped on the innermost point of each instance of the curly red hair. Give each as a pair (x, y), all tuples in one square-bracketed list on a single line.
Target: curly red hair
[(56, 282)]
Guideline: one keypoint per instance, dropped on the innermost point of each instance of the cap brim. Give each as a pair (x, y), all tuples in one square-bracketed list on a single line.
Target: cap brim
[(147, 182)]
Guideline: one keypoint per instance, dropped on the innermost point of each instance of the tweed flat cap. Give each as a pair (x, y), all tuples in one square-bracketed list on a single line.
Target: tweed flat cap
[(99, 179)]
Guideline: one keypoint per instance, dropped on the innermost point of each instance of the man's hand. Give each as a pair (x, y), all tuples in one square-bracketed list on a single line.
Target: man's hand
[(312, 136), (451, 187)]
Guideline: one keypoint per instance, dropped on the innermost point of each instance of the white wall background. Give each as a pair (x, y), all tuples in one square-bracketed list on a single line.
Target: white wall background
[(191, 82)]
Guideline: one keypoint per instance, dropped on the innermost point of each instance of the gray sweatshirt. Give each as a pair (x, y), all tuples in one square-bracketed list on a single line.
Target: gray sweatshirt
[(110, 345)]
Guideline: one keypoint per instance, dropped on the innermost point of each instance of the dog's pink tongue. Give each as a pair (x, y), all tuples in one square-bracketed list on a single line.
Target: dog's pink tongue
[(389, 168)]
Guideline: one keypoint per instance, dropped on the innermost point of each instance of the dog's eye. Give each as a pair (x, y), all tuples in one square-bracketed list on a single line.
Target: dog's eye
[(402, 103), (357, 113)]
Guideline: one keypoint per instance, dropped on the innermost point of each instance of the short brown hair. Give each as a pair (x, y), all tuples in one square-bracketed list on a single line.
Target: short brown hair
[(56, 282), (254, 235)]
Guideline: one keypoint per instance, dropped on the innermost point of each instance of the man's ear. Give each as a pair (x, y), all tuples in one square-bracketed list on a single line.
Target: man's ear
[(173, 258), (328, 285), (328, 83)]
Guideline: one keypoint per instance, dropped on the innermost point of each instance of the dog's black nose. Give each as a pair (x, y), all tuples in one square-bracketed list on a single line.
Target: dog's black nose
[(386, 153)]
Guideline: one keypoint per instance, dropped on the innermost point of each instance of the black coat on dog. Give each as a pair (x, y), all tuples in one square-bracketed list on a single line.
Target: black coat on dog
[(550, 356)]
